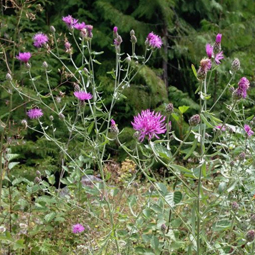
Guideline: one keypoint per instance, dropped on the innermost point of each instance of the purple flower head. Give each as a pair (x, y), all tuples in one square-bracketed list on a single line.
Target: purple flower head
[(220, 127), (78, 228), (40, 39), (67, 46), (115, 30), (113, 123), (89, 30), (70, 21), (205, 64), (248, 130), (82, 95), (35, 113), (209, 50), (218, 38), (243, 86), (154, 41), (218, 57), (80, 26), (149, 124), (24, 57)]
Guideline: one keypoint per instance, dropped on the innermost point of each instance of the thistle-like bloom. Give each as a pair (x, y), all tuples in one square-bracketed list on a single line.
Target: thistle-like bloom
[(114, 128), (220, 127), (115, 30), (24, 57), (70, 21), (235, 65), (218, 57), (89, 29), (78, 228), (209, 50), (80, 26), (40, 39), (218, 38), (243, 86), (248, 130), (35, 113), (82, 95), (205, 65), (153, 40), (149, 124)]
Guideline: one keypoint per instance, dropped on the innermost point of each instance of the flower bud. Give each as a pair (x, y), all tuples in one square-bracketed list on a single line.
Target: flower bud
[(194, 120), (250, 235), (28, 66), (45, 64), (114, 128), (58, 99), (61, 116), (51, 118), (38, 173), (170, 108), (128, 59), (231, 89), (136, 135), (235, 206), (241, 156), (132, 32), (76, 87), (8, 77), (151, 188), (133, 39), (163, 228), (232, 163), (37, 179), (52, 29), (235, 65), (24, 123)]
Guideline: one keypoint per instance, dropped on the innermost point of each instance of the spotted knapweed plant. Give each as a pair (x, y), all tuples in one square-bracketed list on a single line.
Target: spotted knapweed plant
[(205, 203)]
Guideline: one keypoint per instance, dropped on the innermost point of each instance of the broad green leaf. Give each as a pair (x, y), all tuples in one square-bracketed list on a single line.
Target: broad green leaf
[(183, 108), (50, 216)]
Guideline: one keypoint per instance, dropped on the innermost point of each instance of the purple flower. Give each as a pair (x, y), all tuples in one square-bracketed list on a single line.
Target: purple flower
[(149, 124), (24, 57), (78, 228), (82, 95), (243, 86), (218, 57), (113, 123), (35, 113), (115, 30), (209, 50), (89, 30), (206, 64), (80, 26), (40, 39), (70, 21), (218, 38), (220, 127), (154, 41), (248, 130), (67, 46)]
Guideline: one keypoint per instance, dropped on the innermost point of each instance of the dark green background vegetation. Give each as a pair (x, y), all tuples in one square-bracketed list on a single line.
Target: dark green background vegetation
[(185, 27)]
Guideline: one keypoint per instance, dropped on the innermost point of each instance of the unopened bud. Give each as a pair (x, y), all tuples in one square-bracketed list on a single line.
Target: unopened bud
[(61, 116), (170, 108), (231, 89), (151, 188), (136, 186), (133, 39), (76, 87), (232, 163), (24, 123), (58, 99), (194, 120), (163, 228), (37, 179), (250, 235), (235, 206), (45, 64), (241, 156), (28, 65), (128, 59), (38, 173), (52, 29), (136, 134), (235, 65), (132, 32), (8, 77), (51, 118)]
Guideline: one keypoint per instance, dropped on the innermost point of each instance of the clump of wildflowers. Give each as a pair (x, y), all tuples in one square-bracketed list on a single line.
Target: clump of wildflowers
[(82, 95), (248, 130), (150, 124), (214, 51), (153, 40), (40, 39), (35, 113), (78, 228), (24, 56)]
